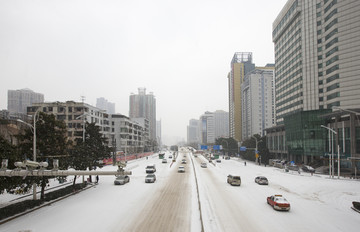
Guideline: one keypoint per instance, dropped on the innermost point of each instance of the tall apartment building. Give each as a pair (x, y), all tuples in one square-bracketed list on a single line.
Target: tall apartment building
[(241, 64), (317, 56), (19, 100), (207, 128), (143, 105), (193, 131), (221, 118), (258, 101), (104, 104)]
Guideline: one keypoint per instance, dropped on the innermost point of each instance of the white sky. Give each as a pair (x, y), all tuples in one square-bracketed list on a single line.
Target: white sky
[(179, 50)]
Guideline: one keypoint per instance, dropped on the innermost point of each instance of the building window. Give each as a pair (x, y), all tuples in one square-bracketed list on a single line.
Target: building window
[(330, 15), (320, 82), (318, 14), (50, 109), (319, 41), (330, 106), (69, 117), (335, 40), (321, 90), (332, 60), (331, 24), (328, 36), (318, 23), (320, 74), (70, 109), (320, 66), (330, 5), (333, 95), (319, 32), (321, 99), (320, 57), (332, 87), (332, 78), (332, 69), (329, 53)]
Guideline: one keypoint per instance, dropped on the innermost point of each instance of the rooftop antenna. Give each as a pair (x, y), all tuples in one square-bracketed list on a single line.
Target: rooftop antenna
[(82, 99)]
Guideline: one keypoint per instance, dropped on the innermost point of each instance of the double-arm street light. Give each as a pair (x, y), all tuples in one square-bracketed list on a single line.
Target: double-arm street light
[(33, 127)]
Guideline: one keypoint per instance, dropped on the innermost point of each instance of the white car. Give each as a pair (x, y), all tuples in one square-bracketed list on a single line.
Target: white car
[(181, 169), (164, 161), (203, 165), (120, 180)]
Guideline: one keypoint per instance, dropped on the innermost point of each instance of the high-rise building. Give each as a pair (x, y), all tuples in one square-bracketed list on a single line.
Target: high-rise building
[(207, 128), (193, 131), (104, 104), (258, 106), (19, 100), (241, 64), (158, 133), (143, 105), (317, 59), (221, 118), (317, 56)]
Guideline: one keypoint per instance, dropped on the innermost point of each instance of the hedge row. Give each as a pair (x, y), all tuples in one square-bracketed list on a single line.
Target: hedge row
[(22, 206)]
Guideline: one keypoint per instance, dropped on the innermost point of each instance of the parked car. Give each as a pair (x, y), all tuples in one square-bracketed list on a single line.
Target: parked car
[(227, 157), (170, 156), (261, 180), (278, 202), (164, 161), (150, 168), (218, 161), (150, 178), (183, 161), (203, 165), (123, 179), (234, 180), (181, 169), (307, 168)]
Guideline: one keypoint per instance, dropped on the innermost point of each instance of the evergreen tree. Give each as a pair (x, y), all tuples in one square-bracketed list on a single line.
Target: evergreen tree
[(87, 154), (51, 143)]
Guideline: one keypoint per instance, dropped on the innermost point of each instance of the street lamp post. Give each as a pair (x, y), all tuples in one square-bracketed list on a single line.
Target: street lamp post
[(34, 143), (256, 150), (331, 167), (353, 159)]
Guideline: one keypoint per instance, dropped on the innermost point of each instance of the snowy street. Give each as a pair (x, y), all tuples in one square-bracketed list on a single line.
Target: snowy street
[(172, 204)]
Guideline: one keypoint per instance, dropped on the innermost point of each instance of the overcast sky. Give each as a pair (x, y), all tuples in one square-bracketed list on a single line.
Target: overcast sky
[(179, 50)]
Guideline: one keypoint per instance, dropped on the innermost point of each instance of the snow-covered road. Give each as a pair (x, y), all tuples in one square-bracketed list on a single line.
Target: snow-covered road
[(171, 203)]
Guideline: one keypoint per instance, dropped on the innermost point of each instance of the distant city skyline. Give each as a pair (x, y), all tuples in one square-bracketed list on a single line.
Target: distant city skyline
[(108, 49)]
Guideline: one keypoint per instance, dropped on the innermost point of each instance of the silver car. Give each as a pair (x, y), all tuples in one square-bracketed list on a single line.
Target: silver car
[(151, 178), (261, 180), (123, 179)]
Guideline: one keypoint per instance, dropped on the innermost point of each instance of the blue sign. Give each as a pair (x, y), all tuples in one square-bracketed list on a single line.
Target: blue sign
[(242, 148), (216, 147), (203, 147)]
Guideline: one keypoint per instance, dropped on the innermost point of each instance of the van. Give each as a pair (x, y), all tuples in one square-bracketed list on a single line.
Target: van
[(234, 180)]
